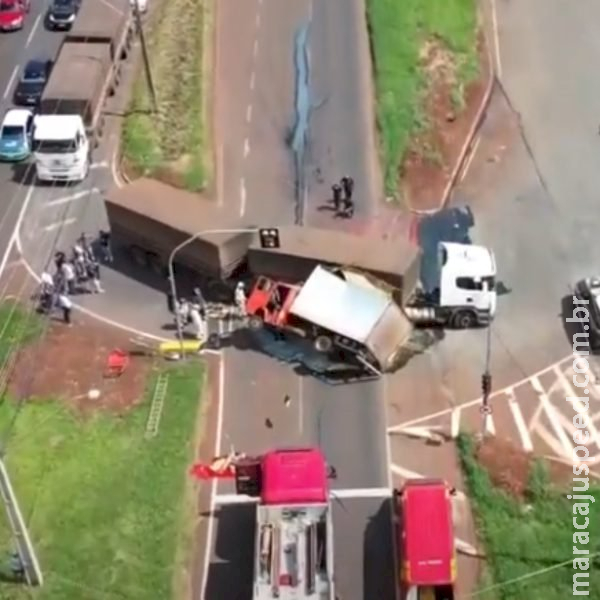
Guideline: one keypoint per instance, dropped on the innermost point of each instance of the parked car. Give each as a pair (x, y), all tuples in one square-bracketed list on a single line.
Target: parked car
[(589, 290), (13, 13), (61, 14), (32, 82), (15, 135)]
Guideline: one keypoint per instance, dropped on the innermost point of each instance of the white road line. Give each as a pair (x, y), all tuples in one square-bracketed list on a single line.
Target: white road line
[(455, 423), (249, 113), (469, 403), (551, 412), (242, 197), (213, 492), (246, 147), (383, 492), (405, 473), (550, 440), (496, 39), (15, 234), (11, 81), (67, 199), (257, 20), (100, 165), (252, 80), (114, 169), (489, 425), (33, 30), (515, 409), (255, 48), (470, 158), (58, 224)]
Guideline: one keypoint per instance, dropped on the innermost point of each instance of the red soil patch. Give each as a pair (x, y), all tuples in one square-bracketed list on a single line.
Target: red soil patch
[(509, 467), (433, 154), (70, 361)]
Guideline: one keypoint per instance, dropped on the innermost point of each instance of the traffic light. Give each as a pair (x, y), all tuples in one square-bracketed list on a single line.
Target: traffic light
[(269, 237), (486, 384)]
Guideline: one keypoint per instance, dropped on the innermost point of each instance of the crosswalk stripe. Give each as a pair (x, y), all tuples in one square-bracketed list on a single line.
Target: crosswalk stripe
[(551, 412), (519, 421), (550, 440), (489, 424), (577, 404), (455, 423)]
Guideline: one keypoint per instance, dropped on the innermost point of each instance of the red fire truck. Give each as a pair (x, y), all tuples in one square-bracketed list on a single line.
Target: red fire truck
[(425, 535), (293, 556)]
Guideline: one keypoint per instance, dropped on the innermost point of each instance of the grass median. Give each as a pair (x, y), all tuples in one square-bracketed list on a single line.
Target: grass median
[(399, 34), (108, 510), (171, 144), (527, 538)]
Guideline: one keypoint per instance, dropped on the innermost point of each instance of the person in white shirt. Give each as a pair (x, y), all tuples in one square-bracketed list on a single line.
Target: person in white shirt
[(240, 297), (68, 273), (66, 306), (198, 322)]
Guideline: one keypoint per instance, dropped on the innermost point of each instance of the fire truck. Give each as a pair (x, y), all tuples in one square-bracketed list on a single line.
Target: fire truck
[(425, 540), (293, 557)]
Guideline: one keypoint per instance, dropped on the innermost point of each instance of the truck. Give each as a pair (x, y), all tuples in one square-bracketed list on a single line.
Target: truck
[(293, 545), (87, 71), (425, 544)]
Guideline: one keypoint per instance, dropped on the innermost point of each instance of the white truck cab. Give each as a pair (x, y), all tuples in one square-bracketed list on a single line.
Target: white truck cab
[(61, 148)]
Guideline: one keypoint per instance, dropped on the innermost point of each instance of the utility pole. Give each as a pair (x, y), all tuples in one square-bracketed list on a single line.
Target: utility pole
[(486, 386), (146, 58), (26, 553)]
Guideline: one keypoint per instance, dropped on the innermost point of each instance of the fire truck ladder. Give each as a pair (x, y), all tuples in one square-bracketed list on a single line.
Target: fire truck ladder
[(158, 399)]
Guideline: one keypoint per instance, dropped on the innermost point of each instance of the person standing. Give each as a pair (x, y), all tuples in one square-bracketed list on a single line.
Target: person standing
[(68, 273), (198, 322), (65, 304), (93, 270), (336, 198), (105, 246), (347, 184), (240, 297)]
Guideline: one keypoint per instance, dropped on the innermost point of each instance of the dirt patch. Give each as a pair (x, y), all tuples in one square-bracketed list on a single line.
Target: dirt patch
[(509, 467), (70, 361), (433, 153)]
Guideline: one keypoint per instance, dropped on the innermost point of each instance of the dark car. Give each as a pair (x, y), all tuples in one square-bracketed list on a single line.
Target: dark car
[(588, 290), (62, 13), (33, 80)]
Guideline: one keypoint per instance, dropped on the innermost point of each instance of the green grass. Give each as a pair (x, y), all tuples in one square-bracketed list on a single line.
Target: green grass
[(17, 327), (170, 144), (525, 536), (399, 29), (106, 508)]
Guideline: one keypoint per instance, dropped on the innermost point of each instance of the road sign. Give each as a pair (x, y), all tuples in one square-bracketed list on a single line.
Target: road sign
[(484, 409)]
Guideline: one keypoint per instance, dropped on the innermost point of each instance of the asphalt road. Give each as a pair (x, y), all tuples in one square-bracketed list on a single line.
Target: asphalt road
[(348, 422)]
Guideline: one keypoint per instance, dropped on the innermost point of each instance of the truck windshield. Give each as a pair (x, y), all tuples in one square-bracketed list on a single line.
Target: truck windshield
[(54, 146), (11, 131), (7, 6)]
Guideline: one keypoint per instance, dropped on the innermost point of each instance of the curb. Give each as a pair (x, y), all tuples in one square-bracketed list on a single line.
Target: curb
[(468, 144)]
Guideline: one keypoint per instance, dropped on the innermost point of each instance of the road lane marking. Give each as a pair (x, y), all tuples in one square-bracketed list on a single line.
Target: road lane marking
[(58, 224), (33, 30), (496, 39), (249, 113), (252, 80), (100, 165), (489, 425), (213, 490), (552, 415), (519, 420), (255, 48), (67, 199), (455, 422), (246, 147), (11, 81), (257, 20), (242, 197)]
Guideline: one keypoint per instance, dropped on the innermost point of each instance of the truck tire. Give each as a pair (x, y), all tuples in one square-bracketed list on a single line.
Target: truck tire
[(323, 343), (464, 319), (139, 256), (255, 323)]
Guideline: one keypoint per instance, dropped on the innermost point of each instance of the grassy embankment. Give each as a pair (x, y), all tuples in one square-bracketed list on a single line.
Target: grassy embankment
[(522, 536), (172, 145), (110, 513), (399, 32)]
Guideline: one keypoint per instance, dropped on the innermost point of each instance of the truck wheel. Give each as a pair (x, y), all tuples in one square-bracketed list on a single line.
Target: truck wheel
[(255, 323), (323, 343), (464, 319), (139, 256)]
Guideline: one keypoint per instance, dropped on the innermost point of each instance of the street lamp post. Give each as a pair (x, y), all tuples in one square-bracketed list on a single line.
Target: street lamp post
[(172, 281)]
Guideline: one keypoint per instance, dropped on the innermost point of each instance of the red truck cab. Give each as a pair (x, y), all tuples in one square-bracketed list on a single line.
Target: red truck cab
[(426, 540), (12, 14), (269, 303)]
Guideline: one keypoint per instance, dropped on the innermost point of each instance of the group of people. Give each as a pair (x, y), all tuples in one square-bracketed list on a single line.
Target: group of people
[(79, 272), (341, 198), (189, 312)]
